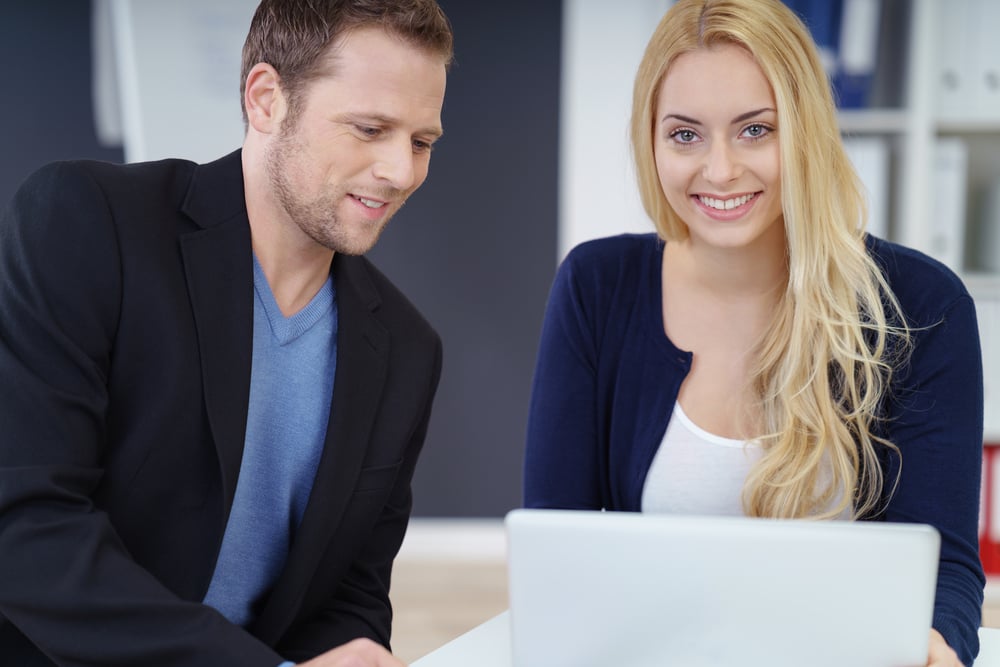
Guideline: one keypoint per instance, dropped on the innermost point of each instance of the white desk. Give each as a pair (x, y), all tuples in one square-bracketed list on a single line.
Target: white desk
[(488, 645)]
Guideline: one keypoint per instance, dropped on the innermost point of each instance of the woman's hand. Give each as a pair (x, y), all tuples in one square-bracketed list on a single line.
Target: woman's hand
[(939, 654)]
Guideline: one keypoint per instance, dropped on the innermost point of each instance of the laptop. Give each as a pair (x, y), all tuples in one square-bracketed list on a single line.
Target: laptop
[(600, 589)]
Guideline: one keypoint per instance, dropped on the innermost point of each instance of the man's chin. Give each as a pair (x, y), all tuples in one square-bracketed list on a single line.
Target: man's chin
[(358, 244)]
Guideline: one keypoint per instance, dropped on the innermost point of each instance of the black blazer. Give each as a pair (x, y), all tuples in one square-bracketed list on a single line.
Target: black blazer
[(125, 346)]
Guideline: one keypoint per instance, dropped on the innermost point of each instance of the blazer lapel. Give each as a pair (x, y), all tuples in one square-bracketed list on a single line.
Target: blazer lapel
[(219, 268), (362, 361)]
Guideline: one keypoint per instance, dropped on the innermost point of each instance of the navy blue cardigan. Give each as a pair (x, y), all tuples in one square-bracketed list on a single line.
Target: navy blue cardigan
[(607, 378)]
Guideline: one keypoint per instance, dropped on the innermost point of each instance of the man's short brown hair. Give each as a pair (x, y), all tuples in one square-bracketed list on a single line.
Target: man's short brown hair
[(294, 36)]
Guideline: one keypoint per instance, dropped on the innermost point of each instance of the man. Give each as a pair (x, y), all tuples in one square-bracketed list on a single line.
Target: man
[(211, 407)]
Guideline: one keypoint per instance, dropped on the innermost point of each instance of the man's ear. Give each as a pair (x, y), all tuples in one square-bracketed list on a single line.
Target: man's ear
[(264, 100)]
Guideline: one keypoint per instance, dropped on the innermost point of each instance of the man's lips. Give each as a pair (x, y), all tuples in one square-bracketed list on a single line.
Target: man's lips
[(369, 202)]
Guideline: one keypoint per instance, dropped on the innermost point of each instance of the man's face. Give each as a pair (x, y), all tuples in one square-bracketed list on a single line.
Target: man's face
[(360, 143)]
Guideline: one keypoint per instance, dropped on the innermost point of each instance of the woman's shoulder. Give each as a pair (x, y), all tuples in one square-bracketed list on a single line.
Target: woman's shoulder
[(921, 284), (611, 273), (628, 250)]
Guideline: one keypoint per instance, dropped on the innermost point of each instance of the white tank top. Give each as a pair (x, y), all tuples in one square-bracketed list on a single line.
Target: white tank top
[(696, 472)]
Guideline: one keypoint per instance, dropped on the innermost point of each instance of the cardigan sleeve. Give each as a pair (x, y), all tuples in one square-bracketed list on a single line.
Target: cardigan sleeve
[(935, 418), (562, 469)]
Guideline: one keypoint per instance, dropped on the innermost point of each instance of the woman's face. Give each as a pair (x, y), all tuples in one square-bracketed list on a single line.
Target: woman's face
[(716, 147)]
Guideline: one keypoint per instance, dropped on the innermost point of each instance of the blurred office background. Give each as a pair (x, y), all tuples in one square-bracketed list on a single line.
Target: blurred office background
[(534, 160)]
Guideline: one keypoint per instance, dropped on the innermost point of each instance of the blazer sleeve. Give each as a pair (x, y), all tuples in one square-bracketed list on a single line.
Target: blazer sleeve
[(936, 421), (361, 607), (67, 583)]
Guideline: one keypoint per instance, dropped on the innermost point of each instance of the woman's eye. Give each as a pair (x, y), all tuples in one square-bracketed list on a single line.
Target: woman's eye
[(683, 136), (757, 131)]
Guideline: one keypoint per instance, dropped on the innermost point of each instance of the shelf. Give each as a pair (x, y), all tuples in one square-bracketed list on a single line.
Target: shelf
[(970, 126), (896, 121), (873, 121)]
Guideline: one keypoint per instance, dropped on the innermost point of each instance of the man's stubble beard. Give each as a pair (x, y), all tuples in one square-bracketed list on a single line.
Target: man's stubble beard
[(317, 218)]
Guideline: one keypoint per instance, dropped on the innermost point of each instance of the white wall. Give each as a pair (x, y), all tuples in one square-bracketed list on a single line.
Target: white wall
[(168, 75), (603, 43)]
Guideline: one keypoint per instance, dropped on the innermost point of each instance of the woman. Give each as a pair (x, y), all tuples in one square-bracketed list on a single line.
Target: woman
[(760, 354)]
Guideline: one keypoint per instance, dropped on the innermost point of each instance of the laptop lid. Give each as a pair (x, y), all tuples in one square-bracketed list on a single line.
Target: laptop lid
[(592, 589)]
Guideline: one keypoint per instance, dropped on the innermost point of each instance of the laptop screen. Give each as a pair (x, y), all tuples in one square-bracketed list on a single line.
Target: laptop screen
[(636, 590)]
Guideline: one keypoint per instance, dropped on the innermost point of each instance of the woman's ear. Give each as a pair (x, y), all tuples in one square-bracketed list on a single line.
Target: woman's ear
[(264, 100)]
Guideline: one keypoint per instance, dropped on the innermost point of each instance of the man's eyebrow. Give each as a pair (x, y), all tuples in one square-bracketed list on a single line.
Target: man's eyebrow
[(739, 119)]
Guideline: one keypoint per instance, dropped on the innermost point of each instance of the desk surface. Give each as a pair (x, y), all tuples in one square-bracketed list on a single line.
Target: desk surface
[(488, 645)]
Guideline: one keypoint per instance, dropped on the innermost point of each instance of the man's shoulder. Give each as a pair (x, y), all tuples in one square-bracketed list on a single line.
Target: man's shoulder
[(78, 185), (107, 173)]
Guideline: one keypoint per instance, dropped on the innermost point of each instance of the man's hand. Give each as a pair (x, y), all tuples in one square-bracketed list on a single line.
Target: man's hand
[(357, 653), (939, 654)]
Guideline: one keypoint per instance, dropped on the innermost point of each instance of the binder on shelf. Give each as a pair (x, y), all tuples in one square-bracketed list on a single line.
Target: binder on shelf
[(988, 314), (858, 52), (988, 311), (847, 35), (955, 58), (985, 63), (888, 85), (823, 18), (989, 514), (947, 223), (870, 157), (984, 244)]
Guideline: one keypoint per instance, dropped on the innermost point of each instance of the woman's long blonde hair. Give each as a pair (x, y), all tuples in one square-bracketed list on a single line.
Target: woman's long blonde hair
[(824, 363)]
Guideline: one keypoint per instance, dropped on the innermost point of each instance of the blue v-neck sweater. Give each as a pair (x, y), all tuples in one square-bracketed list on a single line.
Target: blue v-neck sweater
[(291, 386)]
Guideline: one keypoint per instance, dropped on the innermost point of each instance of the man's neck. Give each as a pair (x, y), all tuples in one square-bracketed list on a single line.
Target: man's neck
[(296, 267), (294, 277)]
